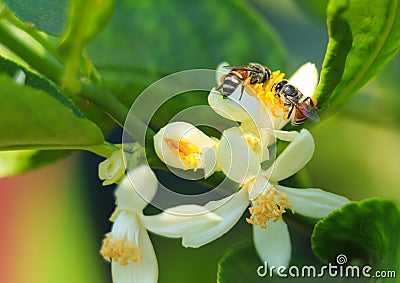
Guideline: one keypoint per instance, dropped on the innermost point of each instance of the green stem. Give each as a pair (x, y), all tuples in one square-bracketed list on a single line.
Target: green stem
[(104, 99)]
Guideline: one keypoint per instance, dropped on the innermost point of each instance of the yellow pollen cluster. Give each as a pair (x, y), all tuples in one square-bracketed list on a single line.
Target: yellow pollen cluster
[(269, 205), (120, 250), (266, 93), (253, 141), (187, 152)]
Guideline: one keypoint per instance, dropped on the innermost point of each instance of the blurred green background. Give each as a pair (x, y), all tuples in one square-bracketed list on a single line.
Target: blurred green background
[(54, 218)]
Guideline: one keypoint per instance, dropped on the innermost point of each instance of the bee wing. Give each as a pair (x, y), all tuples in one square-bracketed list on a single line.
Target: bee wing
[(308, 110), (245, 68)]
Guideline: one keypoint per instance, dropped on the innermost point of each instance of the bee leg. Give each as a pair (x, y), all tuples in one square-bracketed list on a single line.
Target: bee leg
[(311, 101), (241, 92), (290, 112), (308, 100)]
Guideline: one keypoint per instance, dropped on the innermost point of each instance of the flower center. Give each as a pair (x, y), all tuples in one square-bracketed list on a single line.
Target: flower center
[(267, 94), (269, 205), (188, 152), (120, 250)]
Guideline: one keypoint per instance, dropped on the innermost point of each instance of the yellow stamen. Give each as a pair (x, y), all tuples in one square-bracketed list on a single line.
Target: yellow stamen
[(188, 152), (267, 94), (253, 141), (120, 250), (269, 205)]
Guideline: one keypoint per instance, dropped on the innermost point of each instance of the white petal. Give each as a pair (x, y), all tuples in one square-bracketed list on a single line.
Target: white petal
[(284, 135), (210, 161), (295, 156), (273, 243), (230, 209), (314, 203), (181, 220), (246, 108), (305, 79), (187, 132), (180, 131), (144, 271), (257, 186), (237, 160), (137, 189), (226, 108)]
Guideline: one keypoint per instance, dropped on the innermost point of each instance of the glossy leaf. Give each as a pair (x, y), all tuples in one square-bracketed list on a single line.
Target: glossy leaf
[(33, 118), (363, 37), (240, 265), (367, 230), (48, 16), (11, 69), (36, 114)]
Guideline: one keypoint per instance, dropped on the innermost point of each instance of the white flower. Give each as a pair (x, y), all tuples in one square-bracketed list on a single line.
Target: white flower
[(183, 146), (259, 105), (269, 201), (112, 169), (128, 246)]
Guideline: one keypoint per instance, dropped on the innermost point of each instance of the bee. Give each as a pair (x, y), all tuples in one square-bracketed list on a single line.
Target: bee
[(238, 74), (303, 107)]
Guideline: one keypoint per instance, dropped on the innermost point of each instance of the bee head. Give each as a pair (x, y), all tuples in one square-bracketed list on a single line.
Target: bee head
[(260, 73)]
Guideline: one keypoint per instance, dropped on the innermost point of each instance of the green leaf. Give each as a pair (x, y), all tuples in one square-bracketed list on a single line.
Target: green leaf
[(240, 265), (11, 69), (86, 19), (20, 161), (363, 37), (33, 118), (16, 162), (48, 16), (38, 115), (367, 230)]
